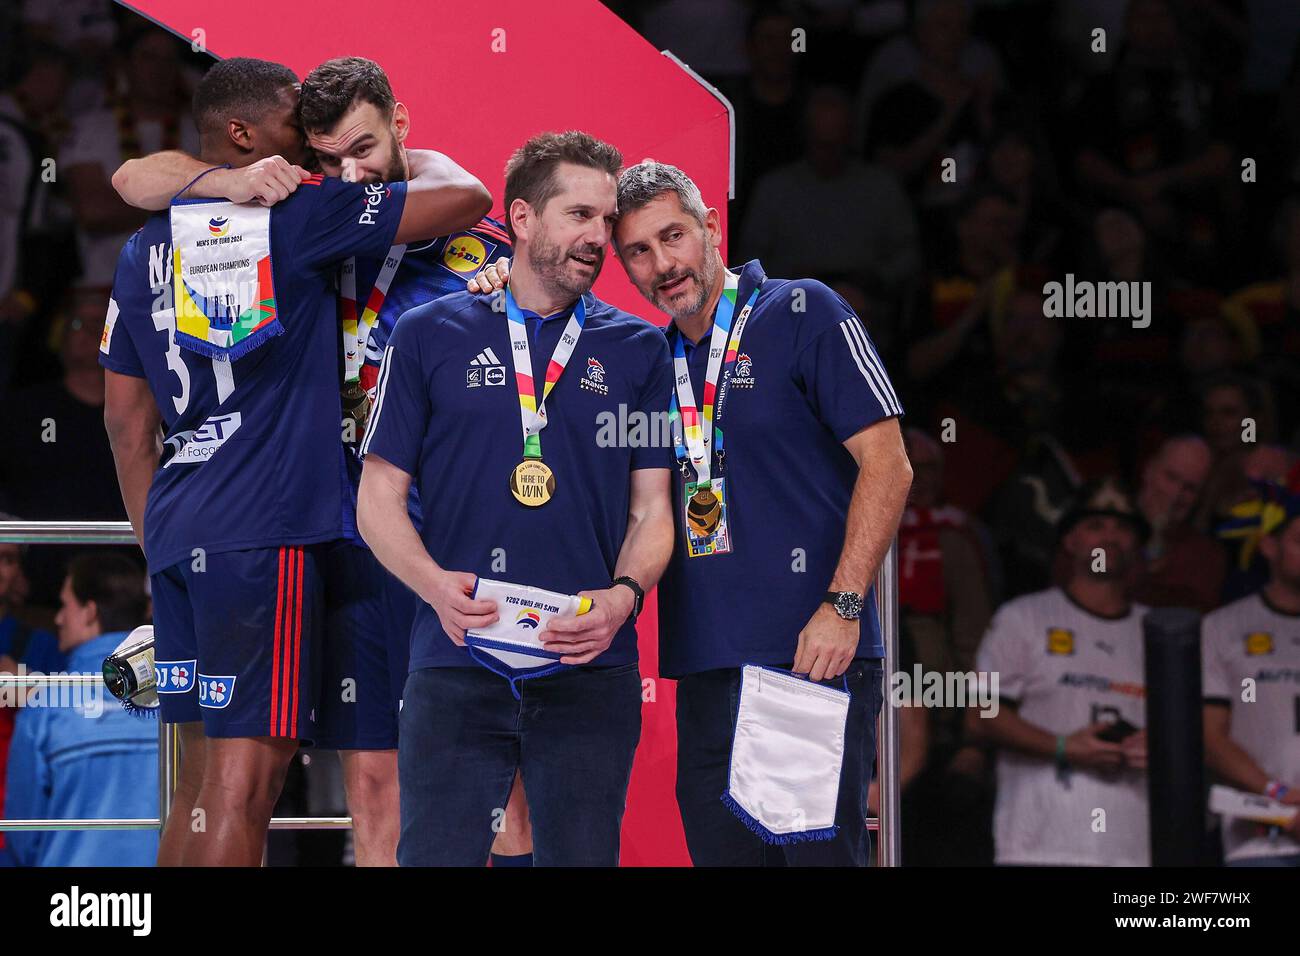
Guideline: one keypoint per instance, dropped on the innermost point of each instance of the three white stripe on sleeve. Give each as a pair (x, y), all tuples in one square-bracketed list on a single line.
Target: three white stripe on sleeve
[(869, 364)]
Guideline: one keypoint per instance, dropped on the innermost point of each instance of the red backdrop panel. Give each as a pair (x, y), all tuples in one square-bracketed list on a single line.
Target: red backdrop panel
[(479, 79)]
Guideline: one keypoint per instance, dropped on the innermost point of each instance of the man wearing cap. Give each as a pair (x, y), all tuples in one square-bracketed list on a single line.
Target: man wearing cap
[(1252, 741), (1069, 666)]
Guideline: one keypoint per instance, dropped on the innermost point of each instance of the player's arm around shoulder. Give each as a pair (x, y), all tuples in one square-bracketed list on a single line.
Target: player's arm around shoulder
[(442, 197)]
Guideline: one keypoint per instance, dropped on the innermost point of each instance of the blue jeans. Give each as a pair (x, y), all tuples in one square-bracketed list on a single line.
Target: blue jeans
[(463, 735), (706, 721)]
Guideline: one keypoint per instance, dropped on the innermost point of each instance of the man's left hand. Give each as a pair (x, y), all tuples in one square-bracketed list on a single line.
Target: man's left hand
[(583, 638), (826, 645)]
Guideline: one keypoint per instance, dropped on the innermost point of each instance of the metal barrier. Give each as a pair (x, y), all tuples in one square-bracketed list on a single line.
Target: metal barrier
[(119, 532)]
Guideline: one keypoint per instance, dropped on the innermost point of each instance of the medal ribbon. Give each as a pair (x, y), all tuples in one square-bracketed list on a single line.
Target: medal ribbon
[(690, 438), (356, 331), (532, 414)]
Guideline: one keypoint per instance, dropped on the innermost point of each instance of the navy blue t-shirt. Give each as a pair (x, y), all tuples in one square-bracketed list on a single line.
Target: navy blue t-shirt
[(429, 270), (447, 413), (806, 379), (252, 455)]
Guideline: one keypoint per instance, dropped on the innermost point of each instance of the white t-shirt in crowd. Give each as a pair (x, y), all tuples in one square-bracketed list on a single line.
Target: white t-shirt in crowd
[(1250, 639), (1067, 668)]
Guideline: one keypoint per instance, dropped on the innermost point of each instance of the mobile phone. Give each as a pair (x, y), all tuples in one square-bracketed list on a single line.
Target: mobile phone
[(1117, 731)]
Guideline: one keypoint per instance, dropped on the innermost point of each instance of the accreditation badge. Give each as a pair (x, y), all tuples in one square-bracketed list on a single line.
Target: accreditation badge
[(699, 541)]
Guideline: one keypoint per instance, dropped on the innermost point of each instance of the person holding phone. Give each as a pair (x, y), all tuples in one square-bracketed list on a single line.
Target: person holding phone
[(1068, 660)]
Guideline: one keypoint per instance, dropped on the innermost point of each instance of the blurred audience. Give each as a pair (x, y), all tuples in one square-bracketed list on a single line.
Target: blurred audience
[(76, 753)]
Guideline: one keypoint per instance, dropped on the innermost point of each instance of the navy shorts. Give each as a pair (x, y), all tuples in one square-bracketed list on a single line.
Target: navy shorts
[(237, 641), (368, 616)]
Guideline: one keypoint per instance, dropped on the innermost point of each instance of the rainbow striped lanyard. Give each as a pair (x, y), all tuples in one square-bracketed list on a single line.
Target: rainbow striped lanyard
[(690, 438), (356, 331), (531, 414)]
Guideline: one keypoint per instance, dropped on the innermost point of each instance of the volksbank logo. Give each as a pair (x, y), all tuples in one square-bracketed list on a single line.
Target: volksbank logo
[(196, 446)]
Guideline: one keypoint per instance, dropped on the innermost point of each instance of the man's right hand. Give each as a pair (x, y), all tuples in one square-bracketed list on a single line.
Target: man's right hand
[(492, 278), (456, 610), (1084, 749), (266, 181)]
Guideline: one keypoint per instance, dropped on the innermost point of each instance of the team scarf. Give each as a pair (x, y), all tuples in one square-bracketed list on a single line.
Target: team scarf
[(531, 413), (357, 328), (691, 439)]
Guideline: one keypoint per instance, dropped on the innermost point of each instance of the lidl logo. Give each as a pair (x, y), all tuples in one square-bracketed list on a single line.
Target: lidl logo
[(1060, 641), (1259, 642), (528, 618), (219, 227), (466, 254)]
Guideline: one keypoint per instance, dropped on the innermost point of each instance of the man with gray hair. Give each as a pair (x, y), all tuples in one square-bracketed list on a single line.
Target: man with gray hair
[(777, 541), (803, 504)]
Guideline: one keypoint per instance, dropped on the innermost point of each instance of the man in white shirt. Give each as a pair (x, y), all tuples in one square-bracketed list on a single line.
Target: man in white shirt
[(1069, 661), (1250, 654)]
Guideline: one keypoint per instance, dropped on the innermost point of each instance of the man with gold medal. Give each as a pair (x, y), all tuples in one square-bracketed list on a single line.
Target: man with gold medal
[(537, 532), (782, 529)]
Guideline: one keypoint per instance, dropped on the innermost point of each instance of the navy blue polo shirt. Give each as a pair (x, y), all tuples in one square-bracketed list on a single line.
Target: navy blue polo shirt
[(807, 378), (447, 413)]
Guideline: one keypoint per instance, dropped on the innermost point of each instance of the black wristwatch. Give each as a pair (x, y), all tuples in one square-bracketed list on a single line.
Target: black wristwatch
[(638, 593), (847, 604)]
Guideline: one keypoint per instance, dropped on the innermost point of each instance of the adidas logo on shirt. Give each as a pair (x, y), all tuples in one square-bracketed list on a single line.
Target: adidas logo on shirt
[(485, 369)]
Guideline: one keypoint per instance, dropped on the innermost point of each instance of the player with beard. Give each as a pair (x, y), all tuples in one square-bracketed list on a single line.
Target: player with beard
[(358, 130), (1069, 662), (814, 465), (597, 523), (235, 535)]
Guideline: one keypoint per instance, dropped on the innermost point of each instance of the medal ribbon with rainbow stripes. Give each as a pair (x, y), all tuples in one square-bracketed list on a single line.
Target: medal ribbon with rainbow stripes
[(356, 330), (532, 482), (702, 442)]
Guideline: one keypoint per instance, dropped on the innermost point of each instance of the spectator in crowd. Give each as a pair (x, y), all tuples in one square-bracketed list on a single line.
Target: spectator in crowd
[(22, 644), (1070, 668), (1250, 735), (944, 594), (965, 295), (1019, 165), (1148, 138), (33, 125), (1270, 310), (1183, 567), (151, 115), (830, 213), (940, 33), (939, 110), (770, 107), (1236, 415), (90, 758), (1237, 518), (57, 463)]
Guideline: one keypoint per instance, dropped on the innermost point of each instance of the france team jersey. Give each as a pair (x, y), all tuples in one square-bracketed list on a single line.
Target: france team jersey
[(252, 455), (447, 413), (806, 379), (429, 270)]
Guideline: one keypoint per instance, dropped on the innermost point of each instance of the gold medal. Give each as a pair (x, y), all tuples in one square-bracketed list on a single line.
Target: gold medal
[(703, 512), (532, 482)]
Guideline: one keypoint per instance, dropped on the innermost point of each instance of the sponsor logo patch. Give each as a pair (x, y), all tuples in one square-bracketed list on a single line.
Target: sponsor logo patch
[(1060, 640)]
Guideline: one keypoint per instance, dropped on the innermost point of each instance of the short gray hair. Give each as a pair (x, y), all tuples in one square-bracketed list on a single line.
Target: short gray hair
[(648, 180)]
